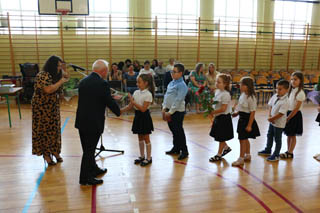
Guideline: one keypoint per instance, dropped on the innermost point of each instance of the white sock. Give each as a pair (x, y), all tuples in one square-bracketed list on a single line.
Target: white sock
[(141, 147)]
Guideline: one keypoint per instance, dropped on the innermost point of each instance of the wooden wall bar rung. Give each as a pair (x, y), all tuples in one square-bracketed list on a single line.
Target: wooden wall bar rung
[(255, 49), (133, 38), (36, 40), (86, 43), (13, 66), (156, 39), (110, 43), (61, 38), (289, 48), (305, 49), (272, 45), (237, 46), (218, 45), (198, 50), (178, 38)]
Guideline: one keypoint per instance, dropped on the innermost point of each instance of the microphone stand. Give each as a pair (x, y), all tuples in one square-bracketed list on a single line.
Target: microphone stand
[(102, 148)]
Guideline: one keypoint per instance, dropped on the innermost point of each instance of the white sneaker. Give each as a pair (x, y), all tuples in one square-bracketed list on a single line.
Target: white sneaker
[(247, 157), (238, 162)]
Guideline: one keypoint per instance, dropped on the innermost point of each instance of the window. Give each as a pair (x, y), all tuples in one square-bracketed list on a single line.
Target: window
[(292, 16), (22, 17), (230, 11), (98, 20), (169, 12)]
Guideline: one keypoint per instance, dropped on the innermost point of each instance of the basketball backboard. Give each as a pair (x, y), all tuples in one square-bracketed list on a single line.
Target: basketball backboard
[(57, 7)]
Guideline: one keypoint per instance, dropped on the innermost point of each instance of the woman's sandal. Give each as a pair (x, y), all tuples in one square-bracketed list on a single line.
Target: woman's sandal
[(145, 162), (215, 158), (51, 163), (226, 151), (286, 155), (139, 160), (59, 159)]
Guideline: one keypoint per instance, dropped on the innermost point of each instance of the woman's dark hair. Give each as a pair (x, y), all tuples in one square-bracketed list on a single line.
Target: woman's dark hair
[(198, 67), (127, 60), (136, 62), (130, 66), (112, 72), (146, 62), (247, 81), (156, 62), (299, 75), (120, 65), (51, 67), (149, 79)]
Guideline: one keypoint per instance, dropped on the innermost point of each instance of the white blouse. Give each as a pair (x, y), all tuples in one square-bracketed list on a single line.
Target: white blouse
[(247, 104), (223, 97), (142, 96), (293, 99)]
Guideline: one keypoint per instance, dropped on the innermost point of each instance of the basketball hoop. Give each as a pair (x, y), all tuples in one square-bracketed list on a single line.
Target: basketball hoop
[(63, 11)]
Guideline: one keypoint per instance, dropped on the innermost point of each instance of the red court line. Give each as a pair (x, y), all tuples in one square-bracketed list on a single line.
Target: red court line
[(27, 156), (273, 190), (244, 170), (94, 199), (238, 185)]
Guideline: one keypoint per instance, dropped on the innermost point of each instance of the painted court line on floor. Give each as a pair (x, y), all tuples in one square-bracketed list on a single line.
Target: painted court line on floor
[(273, 190), (246, 171), (34, 192), (94, 199), (226, 179)]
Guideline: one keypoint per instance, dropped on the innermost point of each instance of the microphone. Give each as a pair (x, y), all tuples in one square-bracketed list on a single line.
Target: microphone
[(75, 67)]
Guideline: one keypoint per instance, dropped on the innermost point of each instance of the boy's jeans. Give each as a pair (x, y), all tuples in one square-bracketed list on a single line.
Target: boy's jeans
[(276, 133)]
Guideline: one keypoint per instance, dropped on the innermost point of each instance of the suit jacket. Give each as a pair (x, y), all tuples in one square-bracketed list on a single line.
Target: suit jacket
[(94, 97)]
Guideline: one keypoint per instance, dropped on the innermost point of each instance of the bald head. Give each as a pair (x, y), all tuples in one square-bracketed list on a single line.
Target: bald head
[(100, 66)]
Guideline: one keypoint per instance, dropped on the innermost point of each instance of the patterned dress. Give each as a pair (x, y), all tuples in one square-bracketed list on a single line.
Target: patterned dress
[(200, 79), (46, 129)]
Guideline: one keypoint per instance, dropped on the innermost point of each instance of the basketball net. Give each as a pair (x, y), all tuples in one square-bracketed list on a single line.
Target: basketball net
[(63, 11)]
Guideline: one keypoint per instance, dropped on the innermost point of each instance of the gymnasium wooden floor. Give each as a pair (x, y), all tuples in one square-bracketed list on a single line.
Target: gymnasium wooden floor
[(168, 185)]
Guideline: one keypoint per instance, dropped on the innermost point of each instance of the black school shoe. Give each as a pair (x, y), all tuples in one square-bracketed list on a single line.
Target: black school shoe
[(146, 162), (183, 156), (91, 181), (138, 160), (172, 152), (100, 172)]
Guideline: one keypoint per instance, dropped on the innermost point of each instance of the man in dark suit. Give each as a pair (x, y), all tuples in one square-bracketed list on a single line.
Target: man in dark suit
[(94, 97)]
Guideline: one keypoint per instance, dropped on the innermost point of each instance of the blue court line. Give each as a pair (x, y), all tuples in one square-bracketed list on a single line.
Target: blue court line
[(33, 194)]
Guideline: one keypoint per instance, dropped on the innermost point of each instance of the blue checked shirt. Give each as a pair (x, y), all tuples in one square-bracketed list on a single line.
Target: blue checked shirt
[(175, 95)]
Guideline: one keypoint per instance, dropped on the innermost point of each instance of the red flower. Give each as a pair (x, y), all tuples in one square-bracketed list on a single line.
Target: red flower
[(200, 90)]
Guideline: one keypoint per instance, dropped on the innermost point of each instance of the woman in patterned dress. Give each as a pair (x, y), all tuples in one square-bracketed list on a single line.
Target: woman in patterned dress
[(46, 129), (198, 79)]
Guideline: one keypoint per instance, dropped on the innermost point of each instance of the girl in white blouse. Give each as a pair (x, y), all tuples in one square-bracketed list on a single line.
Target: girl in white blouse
[(317, 156), (222, 128), (142, 122), (294, 126), (247, 125)]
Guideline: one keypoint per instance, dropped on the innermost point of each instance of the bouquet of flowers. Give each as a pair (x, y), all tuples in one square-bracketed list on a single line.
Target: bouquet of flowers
[(118, 96), (70, 88), (206, 100)]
